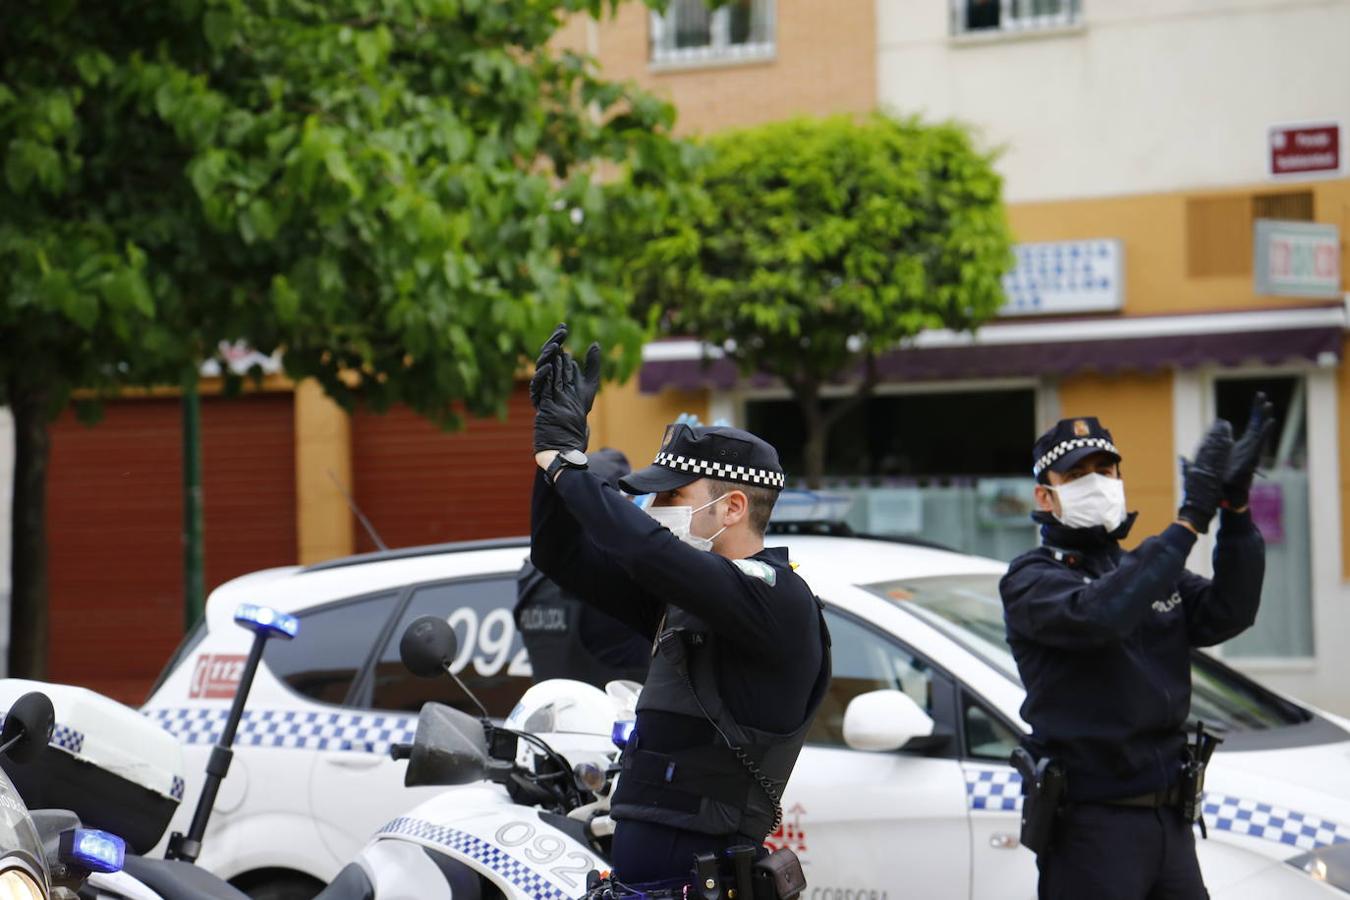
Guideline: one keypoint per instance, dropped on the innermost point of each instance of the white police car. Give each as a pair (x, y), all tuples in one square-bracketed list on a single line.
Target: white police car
[(937, 818)]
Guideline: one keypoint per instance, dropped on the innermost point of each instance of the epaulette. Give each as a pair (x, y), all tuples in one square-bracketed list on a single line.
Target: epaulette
[(1068, 557)]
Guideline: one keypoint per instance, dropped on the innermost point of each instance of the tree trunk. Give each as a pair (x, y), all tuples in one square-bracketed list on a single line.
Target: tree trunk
[(28, 560), (817, 435), (819, 423)]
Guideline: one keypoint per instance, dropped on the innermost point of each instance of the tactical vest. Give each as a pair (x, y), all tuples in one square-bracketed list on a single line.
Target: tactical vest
[(708, 789), (549, 620)]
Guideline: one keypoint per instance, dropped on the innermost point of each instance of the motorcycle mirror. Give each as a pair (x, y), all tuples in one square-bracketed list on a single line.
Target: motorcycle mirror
[(450, 748), (28, 727), (428, 646)]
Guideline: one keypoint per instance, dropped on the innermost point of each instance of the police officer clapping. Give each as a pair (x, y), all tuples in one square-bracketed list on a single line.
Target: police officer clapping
[(740, 658), (1102, 638)]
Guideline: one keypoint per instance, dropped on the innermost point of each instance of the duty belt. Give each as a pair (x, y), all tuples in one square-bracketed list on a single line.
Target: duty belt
[(1152, 800)]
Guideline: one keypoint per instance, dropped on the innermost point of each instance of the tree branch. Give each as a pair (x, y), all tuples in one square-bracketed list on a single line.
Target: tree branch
[(869, 382)]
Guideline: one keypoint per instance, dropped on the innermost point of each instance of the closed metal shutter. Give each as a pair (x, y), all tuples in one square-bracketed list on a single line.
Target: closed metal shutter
[(114, 527), (420, 485)]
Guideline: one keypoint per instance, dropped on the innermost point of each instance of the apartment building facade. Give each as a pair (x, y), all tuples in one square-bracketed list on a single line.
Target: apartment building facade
[(1139, 150)]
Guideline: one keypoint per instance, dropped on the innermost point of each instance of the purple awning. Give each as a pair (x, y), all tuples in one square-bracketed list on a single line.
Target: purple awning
[(1005, 360)]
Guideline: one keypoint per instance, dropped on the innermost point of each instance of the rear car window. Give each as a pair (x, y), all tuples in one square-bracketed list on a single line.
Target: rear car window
[(332, 646)]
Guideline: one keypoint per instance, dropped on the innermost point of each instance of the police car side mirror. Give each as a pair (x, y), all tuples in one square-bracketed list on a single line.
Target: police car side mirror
[(881, 721), (428, 646), (28, 727)]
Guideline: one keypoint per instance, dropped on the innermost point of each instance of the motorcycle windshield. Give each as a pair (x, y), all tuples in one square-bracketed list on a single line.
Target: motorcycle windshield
[(18, 835)]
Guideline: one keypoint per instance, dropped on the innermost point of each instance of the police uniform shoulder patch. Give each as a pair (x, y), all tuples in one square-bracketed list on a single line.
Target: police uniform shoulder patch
[(756, 569)]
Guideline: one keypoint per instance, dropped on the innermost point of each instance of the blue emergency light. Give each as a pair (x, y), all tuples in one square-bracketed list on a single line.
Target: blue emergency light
[(622, 732), (93, 850), (264, 619)]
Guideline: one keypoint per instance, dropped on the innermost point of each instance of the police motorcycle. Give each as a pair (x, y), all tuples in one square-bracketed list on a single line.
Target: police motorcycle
[(44, 854), (49, 854), (548, 835), (541, 837), (111, 781)]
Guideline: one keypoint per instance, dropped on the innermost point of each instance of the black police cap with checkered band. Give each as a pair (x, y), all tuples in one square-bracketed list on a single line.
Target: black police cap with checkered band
[(689, 453), (1060, 448)]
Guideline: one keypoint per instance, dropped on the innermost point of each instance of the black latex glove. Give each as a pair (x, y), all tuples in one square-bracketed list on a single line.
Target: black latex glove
[(1246, 455), (544, 365), (564, 402), (1202, 482)]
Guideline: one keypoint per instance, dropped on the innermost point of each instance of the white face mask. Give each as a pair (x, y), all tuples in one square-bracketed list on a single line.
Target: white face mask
[(679, 519), (1092, 500)]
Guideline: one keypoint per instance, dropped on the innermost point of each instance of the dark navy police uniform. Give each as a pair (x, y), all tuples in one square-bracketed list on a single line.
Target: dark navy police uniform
[(568, 638), (1102, 638), (742, 650)]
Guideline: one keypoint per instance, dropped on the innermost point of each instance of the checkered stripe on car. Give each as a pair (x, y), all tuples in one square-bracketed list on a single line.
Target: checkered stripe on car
[(1271, 823), (997, 788), (505, 865), (290, 728), (176, 792), (63, 736)]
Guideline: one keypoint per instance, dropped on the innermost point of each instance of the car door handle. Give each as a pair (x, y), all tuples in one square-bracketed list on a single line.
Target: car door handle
[(1001, 840), (354, 761)]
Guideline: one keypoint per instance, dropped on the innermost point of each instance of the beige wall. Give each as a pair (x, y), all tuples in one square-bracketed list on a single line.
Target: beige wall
[(1137, 409), (1153, 229), (1143, 96), (634, 422), (323, 451), (825, 63)]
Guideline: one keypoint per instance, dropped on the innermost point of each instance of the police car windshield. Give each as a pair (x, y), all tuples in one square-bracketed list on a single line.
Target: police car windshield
[(967, 609)]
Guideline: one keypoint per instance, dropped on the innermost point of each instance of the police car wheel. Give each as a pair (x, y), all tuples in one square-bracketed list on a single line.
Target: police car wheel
[(296, 887)]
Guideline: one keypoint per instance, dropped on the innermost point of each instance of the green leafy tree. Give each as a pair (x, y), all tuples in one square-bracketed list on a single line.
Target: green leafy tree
[(812, 246), (403, 197)]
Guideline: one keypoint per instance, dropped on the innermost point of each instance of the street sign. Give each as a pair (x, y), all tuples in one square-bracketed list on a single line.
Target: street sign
[(1304, 150), (1064, 277), (1297, 259)]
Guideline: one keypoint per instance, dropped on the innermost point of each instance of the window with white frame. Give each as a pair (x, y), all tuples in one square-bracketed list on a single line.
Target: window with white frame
[(689, 32), (994, 16), (1281, 507)]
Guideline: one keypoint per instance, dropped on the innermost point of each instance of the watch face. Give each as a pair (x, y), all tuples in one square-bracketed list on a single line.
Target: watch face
[(574, 457)]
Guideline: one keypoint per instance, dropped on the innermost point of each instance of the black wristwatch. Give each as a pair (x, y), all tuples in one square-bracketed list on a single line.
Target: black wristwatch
[(566, 459)]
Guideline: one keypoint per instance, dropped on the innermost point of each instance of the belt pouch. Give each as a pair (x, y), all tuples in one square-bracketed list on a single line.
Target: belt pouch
[(779, 876)]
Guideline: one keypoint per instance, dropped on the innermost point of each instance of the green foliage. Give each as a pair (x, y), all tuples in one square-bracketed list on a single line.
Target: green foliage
[(816, 244), (404, 195)]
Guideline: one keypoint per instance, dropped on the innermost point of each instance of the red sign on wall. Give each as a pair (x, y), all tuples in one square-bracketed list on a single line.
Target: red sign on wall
[(216, 676), (1305, 149)]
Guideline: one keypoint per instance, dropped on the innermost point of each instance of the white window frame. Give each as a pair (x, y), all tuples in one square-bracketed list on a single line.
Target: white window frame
[(720, 50), (1193, 409), (1069, 18)]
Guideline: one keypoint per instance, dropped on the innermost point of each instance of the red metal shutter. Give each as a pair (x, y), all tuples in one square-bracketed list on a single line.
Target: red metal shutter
[(419, 485), (114, 527)]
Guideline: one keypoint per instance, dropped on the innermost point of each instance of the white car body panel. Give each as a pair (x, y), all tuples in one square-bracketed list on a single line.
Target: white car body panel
[(315, 781)]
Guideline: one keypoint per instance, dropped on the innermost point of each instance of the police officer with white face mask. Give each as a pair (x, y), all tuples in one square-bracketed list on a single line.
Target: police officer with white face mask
[(740, 652), (1102, 638)]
